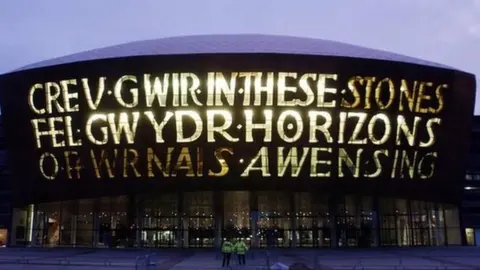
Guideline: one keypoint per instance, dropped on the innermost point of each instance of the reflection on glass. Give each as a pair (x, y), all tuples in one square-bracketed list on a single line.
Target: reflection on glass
[(192, 219)]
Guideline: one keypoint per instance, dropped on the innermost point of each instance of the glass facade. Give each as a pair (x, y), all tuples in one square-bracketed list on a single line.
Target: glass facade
[(264, 218)]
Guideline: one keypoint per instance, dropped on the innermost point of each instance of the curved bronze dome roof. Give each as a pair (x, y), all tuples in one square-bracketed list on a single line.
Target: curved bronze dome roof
[(232, 44)]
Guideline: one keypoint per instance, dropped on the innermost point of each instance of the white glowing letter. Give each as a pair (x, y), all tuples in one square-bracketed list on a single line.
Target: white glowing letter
[(133, 91), (179, 123), (104, 130), (281, 125), (262, 155), (158, 127), (222, 130), (31, 94), (250, 126)]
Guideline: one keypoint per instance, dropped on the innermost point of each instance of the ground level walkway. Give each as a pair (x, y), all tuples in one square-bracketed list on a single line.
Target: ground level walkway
[(451, 258)]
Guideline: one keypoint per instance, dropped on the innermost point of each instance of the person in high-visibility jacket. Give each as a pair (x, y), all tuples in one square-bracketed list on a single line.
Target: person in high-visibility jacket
[(227, 249), (240, 248)]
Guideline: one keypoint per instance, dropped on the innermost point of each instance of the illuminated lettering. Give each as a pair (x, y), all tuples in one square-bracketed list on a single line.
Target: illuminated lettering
[(68, 127), (131, 163), (410, 134), (123, 126), (354, 91), (356, 131), (93, 105), (222, 87), (324, 128), (247, 91), (158, 127), (52, 94), (368, 90), (315, 162), (408, 163), (53, 131), (291, 160), (184, 162), (238, 110), (267, 89), (31, 97), (152, 158), (431, 134), (362, 117), (176, 90), (54, 162), (395, 162), (118, 91), (227, 122), (322, 89), (264, 168), (281, 126), (378, 164), (211, 89), (104, 130), (250, 126), (179, 115), (408, 95), (344, 158), (305, 86), (379, 91), (36, 130), (439, 95), (67, 96), (186, 87), (282, 88), (423, 96), (221, 161), (159, 90), (421, 170), (199, 162), (109, 164), (77, 166), (386, 130)]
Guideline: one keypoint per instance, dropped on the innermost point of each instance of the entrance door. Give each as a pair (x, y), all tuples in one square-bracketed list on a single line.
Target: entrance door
[(165, 238), (201, 238)]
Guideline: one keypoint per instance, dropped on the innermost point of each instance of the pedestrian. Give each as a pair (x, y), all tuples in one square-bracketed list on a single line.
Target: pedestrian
[(241, 248), (227, 249)]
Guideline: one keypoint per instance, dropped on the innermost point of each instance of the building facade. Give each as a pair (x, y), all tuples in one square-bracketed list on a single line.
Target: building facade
[(203, 218), (281, 141), (5, 192), (470, 210)]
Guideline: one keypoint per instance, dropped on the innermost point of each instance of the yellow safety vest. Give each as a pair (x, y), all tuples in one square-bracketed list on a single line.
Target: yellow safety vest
[(227, 247), (241, 248)]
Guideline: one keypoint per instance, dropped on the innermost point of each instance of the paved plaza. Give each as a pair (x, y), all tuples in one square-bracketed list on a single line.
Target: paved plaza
[(453, 258)]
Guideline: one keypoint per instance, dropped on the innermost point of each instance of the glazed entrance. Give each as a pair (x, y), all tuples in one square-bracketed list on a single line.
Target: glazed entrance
[(260, 218)]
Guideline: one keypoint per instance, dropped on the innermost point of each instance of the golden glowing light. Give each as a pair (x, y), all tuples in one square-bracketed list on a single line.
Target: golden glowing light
[(223, 163), (314, 125)]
